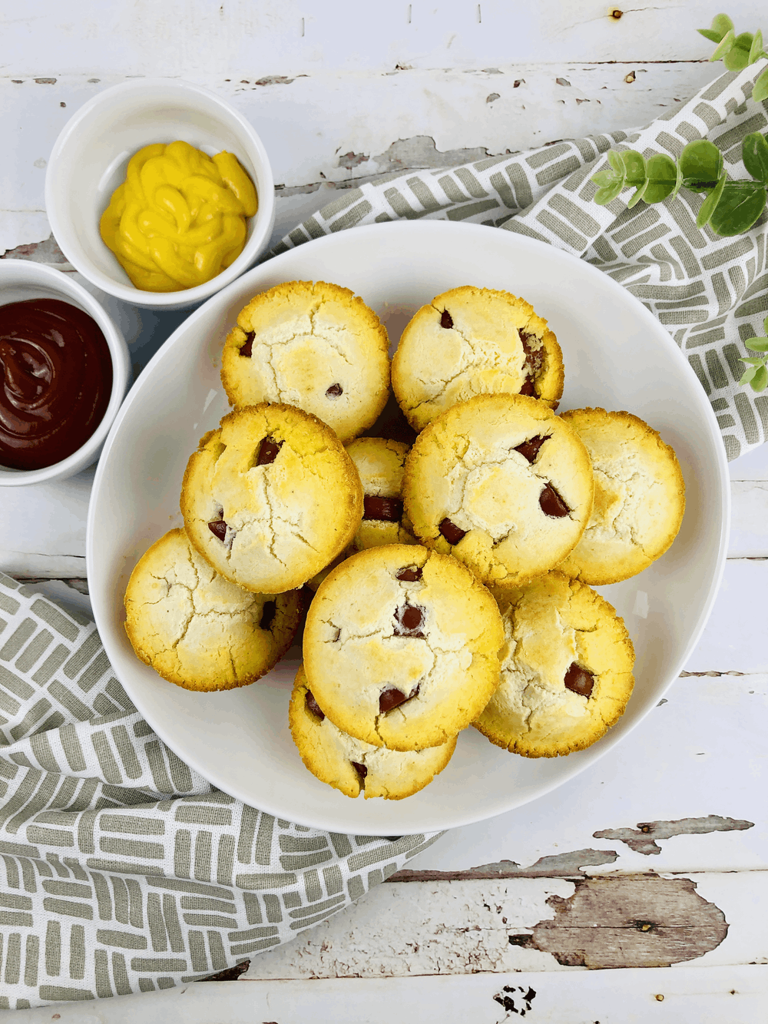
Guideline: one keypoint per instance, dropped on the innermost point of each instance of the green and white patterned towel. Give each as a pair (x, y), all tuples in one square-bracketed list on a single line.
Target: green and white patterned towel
[(121, 870), (709, 292)]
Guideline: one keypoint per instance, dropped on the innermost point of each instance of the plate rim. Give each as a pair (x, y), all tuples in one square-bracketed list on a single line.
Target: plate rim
[(583, 759)]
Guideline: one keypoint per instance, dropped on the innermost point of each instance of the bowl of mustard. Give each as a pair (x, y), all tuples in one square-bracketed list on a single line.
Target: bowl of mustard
[(160, 193)]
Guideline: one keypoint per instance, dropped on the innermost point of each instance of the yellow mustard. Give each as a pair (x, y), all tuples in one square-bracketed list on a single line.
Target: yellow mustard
[(179, 217)]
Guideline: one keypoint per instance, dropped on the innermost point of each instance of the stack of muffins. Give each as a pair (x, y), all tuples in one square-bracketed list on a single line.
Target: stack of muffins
[(451, 580)]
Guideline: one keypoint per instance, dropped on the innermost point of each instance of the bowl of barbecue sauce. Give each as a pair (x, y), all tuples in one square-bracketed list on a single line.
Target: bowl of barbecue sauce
[(64, 370)]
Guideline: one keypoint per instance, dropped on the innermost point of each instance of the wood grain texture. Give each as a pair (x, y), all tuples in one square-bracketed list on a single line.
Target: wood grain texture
[(643, 838), (630, 922), (532, 924)]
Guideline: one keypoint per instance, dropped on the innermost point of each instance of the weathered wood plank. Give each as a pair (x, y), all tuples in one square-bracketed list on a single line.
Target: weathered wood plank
[(752, 466), (318, 128), (404, 929), (684, 995), (643, 838), (45, 527), (749, 522), (686, 774), (738, 619), (284, 39), (630, 922)]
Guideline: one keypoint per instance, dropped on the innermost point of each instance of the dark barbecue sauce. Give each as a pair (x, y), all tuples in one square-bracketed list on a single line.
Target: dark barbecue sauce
[(56, 381)]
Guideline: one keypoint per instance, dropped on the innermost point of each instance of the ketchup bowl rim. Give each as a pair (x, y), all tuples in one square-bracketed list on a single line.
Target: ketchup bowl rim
[(85, 129), (42, 281)]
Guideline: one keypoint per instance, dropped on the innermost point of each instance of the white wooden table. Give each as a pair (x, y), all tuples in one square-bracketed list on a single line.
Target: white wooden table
[(652, 864)]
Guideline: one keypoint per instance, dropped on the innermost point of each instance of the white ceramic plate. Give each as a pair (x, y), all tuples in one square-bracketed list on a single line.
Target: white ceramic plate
[(616, 356)]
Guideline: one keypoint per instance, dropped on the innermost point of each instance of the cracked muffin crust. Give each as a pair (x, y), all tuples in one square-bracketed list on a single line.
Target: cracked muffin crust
[(380, 464), (198, 630), (314, 345), (566, 672), (354, 766), (271, 497), (501, 483), (471, 341), (639, 497), (401, 647)]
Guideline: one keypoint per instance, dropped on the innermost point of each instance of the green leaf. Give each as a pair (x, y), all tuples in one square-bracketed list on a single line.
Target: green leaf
[(737, 57), (760, 91), (637, 195), (678, 183), (721, 24), (748, 375), (757, 344), (708, 206), (752, 360), (634, 166), (756, 49), (715, 37), (738, 208), (754, 153), (662, 178), (606, 177), (614, 159), (701, 160), (725, 45), (608, 193), (760, 381)]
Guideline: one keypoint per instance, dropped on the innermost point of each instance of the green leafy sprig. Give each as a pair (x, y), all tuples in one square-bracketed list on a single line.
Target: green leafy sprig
[(737, 51), (731, 207), (756, 373)]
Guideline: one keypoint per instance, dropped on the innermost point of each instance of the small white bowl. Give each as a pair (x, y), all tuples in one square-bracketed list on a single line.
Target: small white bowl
[(89, 161), (22, 279)]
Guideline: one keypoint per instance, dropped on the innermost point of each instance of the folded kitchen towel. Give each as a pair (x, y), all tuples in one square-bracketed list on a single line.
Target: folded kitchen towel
[(121, 869), (710, 292)]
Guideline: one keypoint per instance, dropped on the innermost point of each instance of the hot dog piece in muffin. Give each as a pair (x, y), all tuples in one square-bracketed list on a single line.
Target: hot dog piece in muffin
[(353, 766), (471, 341), (380, 464), (313, 345), (198, 630), (566, 672), (639, 497), (271, 497), (503, 484), (401, 647)]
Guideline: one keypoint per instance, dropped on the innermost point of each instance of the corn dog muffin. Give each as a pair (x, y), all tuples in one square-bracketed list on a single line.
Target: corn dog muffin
[(198, 630), (401, 647), (639, 497), (380, 464), (353, 766), (313, 345), (271, 497), (566, 672), (501, 483), (471, 341)]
